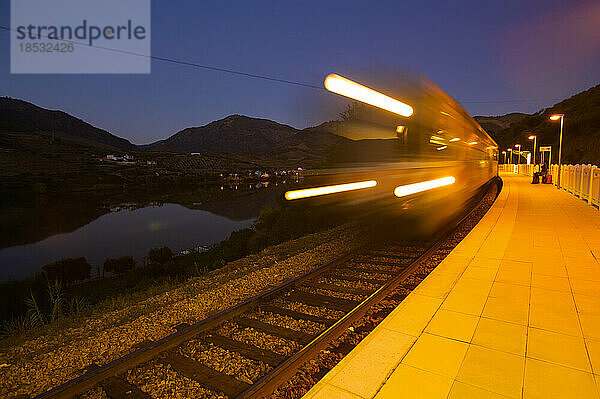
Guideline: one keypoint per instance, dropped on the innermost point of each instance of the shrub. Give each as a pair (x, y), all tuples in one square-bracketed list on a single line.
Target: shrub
[(68, 270), (160, 255), (119, 265)]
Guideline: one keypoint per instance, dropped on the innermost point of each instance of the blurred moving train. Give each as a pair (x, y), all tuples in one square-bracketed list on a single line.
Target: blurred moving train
[(421, 158)]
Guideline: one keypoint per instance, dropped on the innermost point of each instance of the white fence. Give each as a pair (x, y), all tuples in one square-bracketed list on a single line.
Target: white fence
[(583, 181)]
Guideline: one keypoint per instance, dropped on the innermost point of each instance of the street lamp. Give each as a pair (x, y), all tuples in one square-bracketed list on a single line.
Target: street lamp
[(510, 150), (504, 152), (556, 117), (534, 138), (519, 158)]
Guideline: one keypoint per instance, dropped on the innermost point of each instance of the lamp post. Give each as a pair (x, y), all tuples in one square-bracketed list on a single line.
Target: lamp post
[(504, 152), (556, 117), (534, 138), (510, 150), (519, 157)]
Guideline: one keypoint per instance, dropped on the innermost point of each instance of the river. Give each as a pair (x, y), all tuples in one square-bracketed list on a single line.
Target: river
[(38, 234)]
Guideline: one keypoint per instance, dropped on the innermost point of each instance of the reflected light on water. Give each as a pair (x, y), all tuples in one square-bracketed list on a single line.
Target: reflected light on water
[(158, 225)]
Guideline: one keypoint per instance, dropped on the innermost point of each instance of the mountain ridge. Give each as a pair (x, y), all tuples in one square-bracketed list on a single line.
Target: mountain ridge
[(22, 121), (19, 116), (581, 135)]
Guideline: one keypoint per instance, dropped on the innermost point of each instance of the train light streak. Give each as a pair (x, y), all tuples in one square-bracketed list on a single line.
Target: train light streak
[(345, 87), (454, 139), (472, 143), (409, 189), (442, 148), (313, 192)]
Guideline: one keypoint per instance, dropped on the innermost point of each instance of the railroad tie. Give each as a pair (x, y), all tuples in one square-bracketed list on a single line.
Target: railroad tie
[(344, 305), (370, 280), (246, 350), (204, 375), (340, 288), (370, 270), (282, 332)]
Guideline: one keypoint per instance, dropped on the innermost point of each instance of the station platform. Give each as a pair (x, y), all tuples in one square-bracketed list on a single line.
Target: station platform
[(513, 311)]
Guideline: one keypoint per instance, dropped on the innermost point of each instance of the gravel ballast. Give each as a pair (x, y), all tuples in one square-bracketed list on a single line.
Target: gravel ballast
[(36, 365)]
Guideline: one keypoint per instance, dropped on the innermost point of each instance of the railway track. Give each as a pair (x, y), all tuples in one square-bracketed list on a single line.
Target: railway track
[(304, 315)]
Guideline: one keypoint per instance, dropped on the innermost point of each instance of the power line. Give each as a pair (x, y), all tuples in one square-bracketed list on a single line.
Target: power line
[(187, 63), (253, 75)]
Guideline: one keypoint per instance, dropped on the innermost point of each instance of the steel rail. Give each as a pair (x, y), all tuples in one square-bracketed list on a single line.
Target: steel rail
[(272, 380), (283, 372), (92, 378)]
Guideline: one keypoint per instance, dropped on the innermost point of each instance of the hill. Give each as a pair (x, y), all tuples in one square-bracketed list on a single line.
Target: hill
[(233, 134), (581, 135), (495, 124), (18, 118), (255, 137)]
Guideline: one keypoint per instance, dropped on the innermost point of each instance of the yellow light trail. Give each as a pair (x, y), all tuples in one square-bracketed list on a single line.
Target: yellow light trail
[(313, 192), (454, 139), (345, 87), (402, 191)]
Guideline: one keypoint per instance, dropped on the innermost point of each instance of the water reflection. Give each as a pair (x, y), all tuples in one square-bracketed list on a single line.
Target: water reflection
[(32, 236)]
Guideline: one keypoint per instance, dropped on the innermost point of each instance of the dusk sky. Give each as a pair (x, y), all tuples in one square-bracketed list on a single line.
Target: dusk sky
[(493, 56)]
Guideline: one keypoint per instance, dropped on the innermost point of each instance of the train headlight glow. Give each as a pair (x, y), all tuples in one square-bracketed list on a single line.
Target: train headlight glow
[(409, 189), (345, 87), (313, 192)]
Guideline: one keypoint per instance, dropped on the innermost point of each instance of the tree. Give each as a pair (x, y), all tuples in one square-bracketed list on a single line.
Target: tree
[(160, 255), (237, 244), (68, 269), (119, 265), (354, 111)]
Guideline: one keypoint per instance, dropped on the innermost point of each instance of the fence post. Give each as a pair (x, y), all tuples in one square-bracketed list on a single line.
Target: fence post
[(581, 181), (598, 190), (592, 167), (572, 178)]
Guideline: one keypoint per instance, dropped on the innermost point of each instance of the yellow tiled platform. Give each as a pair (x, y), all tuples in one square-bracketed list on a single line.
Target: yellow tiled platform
[(513, 311)]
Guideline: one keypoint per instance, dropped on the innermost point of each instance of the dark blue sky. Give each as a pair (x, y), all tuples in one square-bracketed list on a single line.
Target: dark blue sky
[(483, 53)]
